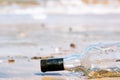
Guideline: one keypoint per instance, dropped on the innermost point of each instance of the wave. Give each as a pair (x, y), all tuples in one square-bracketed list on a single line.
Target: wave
[(39, 11)]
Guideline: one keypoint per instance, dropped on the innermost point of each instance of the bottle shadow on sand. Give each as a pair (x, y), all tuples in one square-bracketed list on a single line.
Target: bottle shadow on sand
[(48, 74)]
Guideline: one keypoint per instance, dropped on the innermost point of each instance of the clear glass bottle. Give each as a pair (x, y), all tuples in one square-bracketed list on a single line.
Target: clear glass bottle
[(96, 61)]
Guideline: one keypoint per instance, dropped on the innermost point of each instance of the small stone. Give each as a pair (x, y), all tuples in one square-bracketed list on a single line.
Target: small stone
[(118, 60), (35, 58), (11, 61), (72, 45)]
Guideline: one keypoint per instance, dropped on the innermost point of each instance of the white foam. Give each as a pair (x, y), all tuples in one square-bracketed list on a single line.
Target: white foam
[(67, 7), (1, 61)]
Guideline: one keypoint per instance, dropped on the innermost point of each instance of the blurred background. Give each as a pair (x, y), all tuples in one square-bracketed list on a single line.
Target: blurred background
[(40, 26)]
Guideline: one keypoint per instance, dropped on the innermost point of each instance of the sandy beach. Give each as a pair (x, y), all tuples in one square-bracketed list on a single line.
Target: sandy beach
[(23, 37)]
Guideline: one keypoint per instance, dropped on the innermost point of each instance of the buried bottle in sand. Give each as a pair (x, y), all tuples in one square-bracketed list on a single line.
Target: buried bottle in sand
[(96, 61)]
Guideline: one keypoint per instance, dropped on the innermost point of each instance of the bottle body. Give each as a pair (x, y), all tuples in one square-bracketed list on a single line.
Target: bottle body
[(101, 56), (100, 60)]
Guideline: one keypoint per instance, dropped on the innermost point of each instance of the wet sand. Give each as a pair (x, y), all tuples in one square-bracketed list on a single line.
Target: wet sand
[(57, 78), (22, 39)]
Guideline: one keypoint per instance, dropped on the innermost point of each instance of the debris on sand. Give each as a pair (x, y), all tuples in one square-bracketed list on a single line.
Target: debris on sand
[(38, 57), (35, 57), (111, 72), (11, 61), (118, 60), (72, 45)]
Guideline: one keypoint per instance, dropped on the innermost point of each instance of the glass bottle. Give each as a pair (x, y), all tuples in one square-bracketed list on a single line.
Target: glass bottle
[(96, 61)]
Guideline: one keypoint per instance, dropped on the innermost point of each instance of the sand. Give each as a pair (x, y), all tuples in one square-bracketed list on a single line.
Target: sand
[(25, 41)]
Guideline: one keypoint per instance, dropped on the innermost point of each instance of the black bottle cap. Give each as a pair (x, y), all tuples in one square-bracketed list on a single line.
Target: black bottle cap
[(52, 65)]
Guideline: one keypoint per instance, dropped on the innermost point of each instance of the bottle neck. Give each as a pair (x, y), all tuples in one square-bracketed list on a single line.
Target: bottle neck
[(70, 63), (56, 64)]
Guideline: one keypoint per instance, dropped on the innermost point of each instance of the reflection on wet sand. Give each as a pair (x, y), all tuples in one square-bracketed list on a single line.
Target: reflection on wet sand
[(73, 78), (52, 78)]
